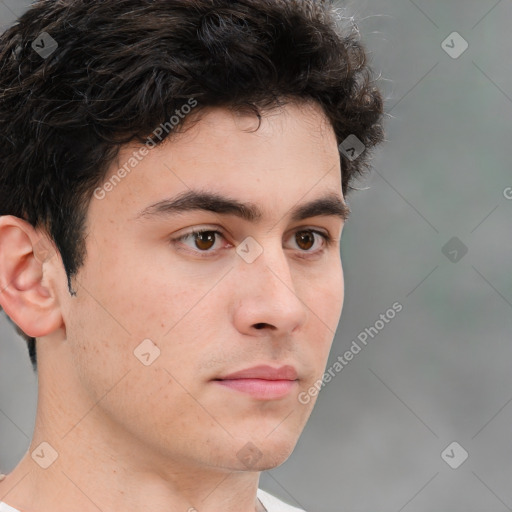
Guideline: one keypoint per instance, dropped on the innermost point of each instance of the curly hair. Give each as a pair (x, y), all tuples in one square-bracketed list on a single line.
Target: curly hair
[(121, 67)]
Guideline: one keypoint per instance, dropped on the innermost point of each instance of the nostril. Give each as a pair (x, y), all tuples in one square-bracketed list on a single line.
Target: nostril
[(260, 325)]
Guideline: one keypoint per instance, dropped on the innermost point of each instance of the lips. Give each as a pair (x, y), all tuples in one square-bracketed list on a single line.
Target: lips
[(261, 382), (264, 372)]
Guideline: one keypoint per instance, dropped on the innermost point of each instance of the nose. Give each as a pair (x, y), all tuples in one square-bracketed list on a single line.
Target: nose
[(266, 300)]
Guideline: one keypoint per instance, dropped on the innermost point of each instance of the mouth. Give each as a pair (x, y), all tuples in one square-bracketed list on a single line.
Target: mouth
[(262, 382), (260, 388)]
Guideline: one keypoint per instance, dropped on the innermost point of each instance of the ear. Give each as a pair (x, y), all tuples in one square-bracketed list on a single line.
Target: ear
[(25, 294)]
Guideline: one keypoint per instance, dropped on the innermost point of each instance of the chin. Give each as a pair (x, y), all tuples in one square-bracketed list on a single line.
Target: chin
[(273, 460), (267, 454)]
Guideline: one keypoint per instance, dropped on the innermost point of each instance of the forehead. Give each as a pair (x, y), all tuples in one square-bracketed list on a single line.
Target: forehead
[(291, 151), (220, 131)]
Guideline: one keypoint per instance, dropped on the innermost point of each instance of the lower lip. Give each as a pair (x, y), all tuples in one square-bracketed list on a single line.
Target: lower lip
[(260, 388)]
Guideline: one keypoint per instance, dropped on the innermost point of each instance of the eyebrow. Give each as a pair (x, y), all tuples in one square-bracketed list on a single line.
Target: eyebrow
[(328, 205)]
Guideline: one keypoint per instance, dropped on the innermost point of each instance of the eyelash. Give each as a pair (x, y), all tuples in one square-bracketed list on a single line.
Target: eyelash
[(328, 240)]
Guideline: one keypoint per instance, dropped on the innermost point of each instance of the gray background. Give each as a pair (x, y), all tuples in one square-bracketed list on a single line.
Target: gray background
[(440, 370)]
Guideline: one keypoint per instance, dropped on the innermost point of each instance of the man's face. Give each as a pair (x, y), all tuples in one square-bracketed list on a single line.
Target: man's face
[(209, 308)]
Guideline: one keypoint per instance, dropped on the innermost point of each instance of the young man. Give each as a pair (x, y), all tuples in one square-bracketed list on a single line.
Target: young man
[(172, 195)]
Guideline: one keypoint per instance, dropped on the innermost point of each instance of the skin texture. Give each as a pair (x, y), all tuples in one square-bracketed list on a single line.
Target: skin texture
[(164, 436)]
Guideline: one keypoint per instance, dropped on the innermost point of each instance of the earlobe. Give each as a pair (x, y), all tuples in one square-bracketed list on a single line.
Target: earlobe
[(25, 294)]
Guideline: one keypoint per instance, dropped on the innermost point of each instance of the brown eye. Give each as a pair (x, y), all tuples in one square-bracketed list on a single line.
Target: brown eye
[(204, 243), (205, 240), (305, 239)]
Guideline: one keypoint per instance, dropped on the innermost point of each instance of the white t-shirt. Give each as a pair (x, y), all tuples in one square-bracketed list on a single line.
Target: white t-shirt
[(5, 508), (270, 502)]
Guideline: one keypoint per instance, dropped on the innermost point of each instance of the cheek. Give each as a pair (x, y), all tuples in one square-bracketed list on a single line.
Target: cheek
[(324, 295), (336, 292), (112, 377)]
